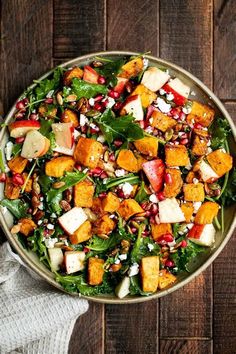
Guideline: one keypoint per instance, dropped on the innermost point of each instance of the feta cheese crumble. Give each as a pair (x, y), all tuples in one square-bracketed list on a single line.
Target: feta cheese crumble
[(162, 105), (127, 188), (83, 120), (50, 242), (8, 150), (120, 172), (123, 257), (133, 270), (150, 247), (153, 198)]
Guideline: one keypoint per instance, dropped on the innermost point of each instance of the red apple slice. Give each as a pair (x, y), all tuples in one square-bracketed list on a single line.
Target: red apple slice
[(64, 151), (46, 147), (72, 220), (133, 105), (120, 86), (155, 170), (179, 90), (203, 235), (64, 134), (154, 78), (74, 261), (22, 127), (35, 145), (90, 75)]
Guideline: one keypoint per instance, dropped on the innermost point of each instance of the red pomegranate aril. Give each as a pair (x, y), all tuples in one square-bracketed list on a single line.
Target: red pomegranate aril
[(97, 106), (113, 94), (2, 177), (86, 250), (168, 178), (154, 209), (48, 100), (217, 192), (96, 171), (118, 143), (112, 157), (84, 129), (184, 136), (78, 167), (103, 175), (149, 112), (145, 233), (133, 229), (169, 263), (19, 115), (175, 113), (157, 219), (147, 213), (17, 179), (94, 130), (144, 205), (33, 116), (168, 238), (20, 105), (142, 124), (184, 141), (29, 210), (152, 220), (117, 106), (160, 196), (102, 195), (98, 98), (101, 80), (105, 103), (20, 140), (184, 244), (197, 126), (182, 116)]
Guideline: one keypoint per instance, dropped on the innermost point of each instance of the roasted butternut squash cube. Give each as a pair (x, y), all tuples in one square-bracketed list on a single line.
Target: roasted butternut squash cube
[(149, 271), (28, 187), (110, 203), (95, 271), (132, 68), (176, 155), (87, 152), (206, 213), (47, 110), (69, 116), (104, 225), (141, 160), (27, 226), (159, 230), (194, 192), (59, 165), (199, 147), (71, 74), (83, 233), (190, 176), (97, 206), (146, 95), (165, 279), (128, 208), (220, 161), (201, 113), (17, 164), (173, 189), (83, 194), (11, 191), (188, 209), (161, 121), (147, 146), (127, 161)]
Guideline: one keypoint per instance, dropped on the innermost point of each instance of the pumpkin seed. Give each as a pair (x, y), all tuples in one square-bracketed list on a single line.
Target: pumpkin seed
[(168, 134)]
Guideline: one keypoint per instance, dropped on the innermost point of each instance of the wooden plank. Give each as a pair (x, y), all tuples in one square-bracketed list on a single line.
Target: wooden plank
[(185, 346), (225, 49), (79, 27), (225, 290), (186, 35), (26, 45), (133, 25), (132, 328), (87, 336)]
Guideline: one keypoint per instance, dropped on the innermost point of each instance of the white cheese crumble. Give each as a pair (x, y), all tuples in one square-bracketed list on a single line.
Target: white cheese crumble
[(40, 222), (117, 261), (53, 215), (149, 129), (150, 247), (50, 242), (8, 150), (133, 270), (120, 172), (187, 109), (170, 96), (151, 120), (145, 63), (153, 198), (196, 206), (162, 92), (91, 101), (50, 226), (127, 188), (123, 257), (189, 226), (111, 102), (195, 180), (101, 138), (162, 105), (83, 120)]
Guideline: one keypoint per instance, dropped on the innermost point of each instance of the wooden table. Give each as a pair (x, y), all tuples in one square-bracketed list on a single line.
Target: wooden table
[(198, 35)]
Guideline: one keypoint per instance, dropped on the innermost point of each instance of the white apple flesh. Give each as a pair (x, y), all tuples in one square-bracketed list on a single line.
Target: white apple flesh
[(122, 288), (178, 86), (206, 172), (21, 127), (170, 211), (133, 106), (205, 236), (64, 134), (154, 78), (35, 145), (74, 261), (56, 258), (72, 220)]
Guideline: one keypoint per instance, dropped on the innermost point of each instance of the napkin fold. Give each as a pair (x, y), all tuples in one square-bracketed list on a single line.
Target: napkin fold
[(34, 317)]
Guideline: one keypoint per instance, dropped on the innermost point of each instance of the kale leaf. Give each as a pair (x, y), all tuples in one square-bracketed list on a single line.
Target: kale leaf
[(183, 256), (228, 196), (220, 129), (37, 245), (85, 89), (17, 207), (110, 70), (47, 85)]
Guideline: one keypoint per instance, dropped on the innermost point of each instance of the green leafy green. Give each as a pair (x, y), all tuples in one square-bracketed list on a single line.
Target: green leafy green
[(141, 247), (142, 195), (38, 246), (85, 89), (17, 207), (2, 167), (220, 129), (16, 149), (101, 245), (45, 126), (184, 255), (110, 70), (47, 85), (45, 182), (123, 128), (228, 196), (115, 181), (135, 287)]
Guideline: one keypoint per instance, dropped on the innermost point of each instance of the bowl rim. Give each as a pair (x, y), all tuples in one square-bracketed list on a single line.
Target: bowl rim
[(135, 299)]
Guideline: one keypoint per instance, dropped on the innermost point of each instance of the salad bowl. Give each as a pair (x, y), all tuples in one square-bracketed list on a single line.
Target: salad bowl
[(199, 92)]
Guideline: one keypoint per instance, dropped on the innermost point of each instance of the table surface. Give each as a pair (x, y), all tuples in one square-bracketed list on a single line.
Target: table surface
[(199, 36)]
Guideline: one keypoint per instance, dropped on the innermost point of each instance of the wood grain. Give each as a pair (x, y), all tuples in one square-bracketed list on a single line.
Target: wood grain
[(133, 25), (186, 35), (88, 333), (224, 48), (79, 27), (132, 329), (185, 346), (26, 45)]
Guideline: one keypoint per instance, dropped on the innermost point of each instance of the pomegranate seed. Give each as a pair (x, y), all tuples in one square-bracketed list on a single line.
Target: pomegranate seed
[(169, 263), (175, 113), (133, 229), (19, 115), (86, 250), (144, 205), (101, 80), (142, 124), (112, 157), (217, 192), (20, 105), (149, 112), (118, 143), (154, 209), (152, 220), (94, 130), (48, 100), (33, 116), (157, 219), (102, 195), (168, 238), (97, 106), (98, 98), (184, 136), (145, 233), (160, 196), (78, 167), (17, 179), (2, 177), (117, 106), (20, 140), (25, 101), (197, 126), (120, 193), (84, 129), (30, 210), (183, 141), (96, 172), (113, 94), (168, 178), (184, 244), (147, 213), (105, 103), (103, 175), (182, 116)]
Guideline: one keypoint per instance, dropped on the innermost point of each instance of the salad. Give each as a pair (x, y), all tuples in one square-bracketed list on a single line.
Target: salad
[(116, 176)]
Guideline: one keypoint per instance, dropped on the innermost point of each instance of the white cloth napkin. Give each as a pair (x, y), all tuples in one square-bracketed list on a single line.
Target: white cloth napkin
[(34, 317)]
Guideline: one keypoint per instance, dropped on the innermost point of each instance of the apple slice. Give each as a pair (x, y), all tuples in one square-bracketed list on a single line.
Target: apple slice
[(206, 172), (56, 258), (203, 235), (154, 78), (20, 128), (72, 220), (35, 145), (170, 211), (120, 86), (179, 90), (122, 288), (64, 151), (133, 105), (154, 170), (74, 261), (90, 75), (64, 134)]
